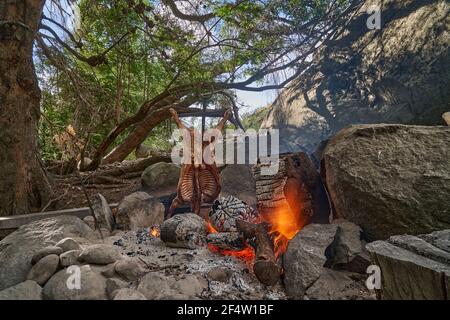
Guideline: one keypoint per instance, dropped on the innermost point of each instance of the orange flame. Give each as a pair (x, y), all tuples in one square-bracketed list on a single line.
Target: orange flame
[(247, 254), (210, 228), (283, 226), (155, 231)]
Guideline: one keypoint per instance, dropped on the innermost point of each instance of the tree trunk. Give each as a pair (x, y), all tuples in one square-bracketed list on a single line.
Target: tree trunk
[(136, 137), (143, 128), (24, 186)]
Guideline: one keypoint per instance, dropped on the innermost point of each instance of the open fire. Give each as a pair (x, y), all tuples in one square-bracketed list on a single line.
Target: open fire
[(247, 254), (283, 226)]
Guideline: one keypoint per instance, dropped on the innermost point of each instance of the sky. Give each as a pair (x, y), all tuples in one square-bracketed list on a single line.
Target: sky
[(255, 100)]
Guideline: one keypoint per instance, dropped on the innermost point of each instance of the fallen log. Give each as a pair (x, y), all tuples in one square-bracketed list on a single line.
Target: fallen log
[(265, 266)]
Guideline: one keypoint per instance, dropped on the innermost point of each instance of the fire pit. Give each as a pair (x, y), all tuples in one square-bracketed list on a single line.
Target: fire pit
[(286, 202)]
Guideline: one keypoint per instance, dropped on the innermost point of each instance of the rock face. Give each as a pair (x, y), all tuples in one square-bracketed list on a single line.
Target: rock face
[(100, 254), (161, 176), (399, 74), (139, 210), (237, 180), (414, 267), (27, 290), (390, 179), (92, 286), (17, 249), (184, 231), (305, 258)]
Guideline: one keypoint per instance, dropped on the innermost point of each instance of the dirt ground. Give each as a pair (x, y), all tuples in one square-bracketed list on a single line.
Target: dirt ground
[(113, 181)]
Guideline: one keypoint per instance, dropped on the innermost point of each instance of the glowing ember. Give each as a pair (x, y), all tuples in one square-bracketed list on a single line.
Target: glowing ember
[(210, 228), (284, 225), (247, 254), (155, 231)]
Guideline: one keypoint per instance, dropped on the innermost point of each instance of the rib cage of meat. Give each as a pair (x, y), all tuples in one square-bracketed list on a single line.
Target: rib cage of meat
[(198, 182)]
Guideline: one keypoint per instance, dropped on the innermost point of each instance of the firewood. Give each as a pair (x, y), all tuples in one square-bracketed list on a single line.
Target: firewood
[(226, 240), (265, 265), (295, 188)]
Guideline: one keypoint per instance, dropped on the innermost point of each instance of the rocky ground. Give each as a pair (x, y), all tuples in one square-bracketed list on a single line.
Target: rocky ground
[(38, 263)]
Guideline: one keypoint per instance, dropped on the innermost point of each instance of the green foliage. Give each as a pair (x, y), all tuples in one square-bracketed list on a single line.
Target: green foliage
[(253, 120), (149, 50)]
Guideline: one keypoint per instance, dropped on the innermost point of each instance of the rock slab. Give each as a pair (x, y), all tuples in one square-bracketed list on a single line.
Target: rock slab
[(414, 267)]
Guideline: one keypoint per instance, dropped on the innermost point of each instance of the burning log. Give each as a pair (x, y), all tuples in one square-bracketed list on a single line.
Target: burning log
[(265, 265), (291, 198), (226, 240)]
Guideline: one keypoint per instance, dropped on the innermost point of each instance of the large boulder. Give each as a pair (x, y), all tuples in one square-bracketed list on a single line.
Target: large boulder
[(139, 210), (399, 75), (161, 177), (305, 258), (390, 179), (314, 251), (17, 249), (414, 267), (63, 285), (237, 180), (184, 231)]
